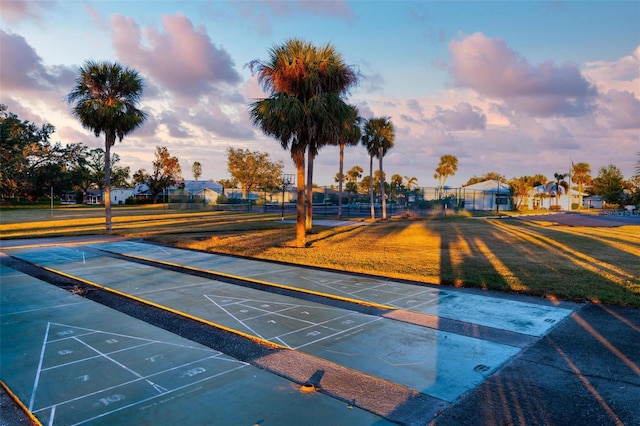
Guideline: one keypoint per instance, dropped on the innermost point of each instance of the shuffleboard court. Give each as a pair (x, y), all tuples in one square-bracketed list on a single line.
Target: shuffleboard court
[(533, 319), (440, 364), (72, 361)]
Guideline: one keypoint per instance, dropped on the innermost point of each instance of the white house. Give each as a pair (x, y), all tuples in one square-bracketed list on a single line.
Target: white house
[(488, 195), (593, 202), (118, 196), (544, 196), (196, 191)]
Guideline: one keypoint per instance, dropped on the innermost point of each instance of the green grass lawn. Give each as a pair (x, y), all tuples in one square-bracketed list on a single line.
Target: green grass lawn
[(558, 262)]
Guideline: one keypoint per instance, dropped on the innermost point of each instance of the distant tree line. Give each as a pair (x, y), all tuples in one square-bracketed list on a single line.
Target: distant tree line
[(31, 167)]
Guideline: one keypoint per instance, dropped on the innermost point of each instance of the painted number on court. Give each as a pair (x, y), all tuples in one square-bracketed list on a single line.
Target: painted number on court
[(103, 402), (193, 372)]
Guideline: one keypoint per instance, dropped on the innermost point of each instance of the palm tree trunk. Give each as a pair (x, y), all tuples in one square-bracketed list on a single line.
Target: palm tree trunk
[(300, 228), (580, 195), (340, 179), (382, 197), (110, 139), (309, 199), (373, 209)]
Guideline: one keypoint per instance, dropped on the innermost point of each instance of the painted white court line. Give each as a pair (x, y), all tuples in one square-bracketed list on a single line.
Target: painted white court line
[(238, 320), (69, 332)]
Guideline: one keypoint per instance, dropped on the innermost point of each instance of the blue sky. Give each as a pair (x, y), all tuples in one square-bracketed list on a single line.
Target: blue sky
[(518, 87)]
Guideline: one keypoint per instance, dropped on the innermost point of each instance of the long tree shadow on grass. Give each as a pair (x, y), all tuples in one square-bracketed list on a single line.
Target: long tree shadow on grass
[(568, 264)]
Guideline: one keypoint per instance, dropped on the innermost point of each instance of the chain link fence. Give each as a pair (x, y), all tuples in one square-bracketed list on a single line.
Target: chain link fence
[(422, 201)]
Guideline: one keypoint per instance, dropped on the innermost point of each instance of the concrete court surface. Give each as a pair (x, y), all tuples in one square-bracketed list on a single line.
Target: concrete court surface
[(540, 376), (73, 361), (530, 318), (423, 359)]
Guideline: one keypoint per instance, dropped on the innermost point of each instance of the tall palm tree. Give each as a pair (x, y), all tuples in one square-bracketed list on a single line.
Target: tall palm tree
[(350, 135), (378, 138), (581, 175), (305, 109), (105, 100)]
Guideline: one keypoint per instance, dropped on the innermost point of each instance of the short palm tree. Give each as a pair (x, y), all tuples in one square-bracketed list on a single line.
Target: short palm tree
[(353, 174), (378, 138), (560, 182), (105, 99), (305, 109), (448, 166), (411, 183), (581, 175)]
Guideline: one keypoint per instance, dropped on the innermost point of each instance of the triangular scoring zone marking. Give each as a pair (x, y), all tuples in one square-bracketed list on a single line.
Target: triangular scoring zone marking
[(264, 307), (336, 284), (315, 330), (56, 333)]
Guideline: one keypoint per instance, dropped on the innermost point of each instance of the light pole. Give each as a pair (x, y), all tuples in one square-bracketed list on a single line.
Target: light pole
[(498, 198), (287, 179)]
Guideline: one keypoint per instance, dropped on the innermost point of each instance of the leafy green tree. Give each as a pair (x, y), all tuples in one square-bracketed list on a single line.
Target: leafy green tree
[(21, 142), (253, 170), (196, 170), (105, 100), (228, 183), (140, 177), (54, 168), (609, 184), (95, 165), (378, 137), (305, 109), (493, 176), (633, 185), (365, 186), (521, 187), (165, 172)]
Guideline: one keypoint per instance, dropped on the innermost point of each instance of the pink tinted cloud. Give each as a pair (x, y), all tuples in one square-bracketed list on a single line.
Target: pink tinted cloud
[(492, 69), (96, 18), (622, 109), (462, 116), (179, 57), (259, 13), (15, 11), (22, 69), (20, 65), (334, 8)]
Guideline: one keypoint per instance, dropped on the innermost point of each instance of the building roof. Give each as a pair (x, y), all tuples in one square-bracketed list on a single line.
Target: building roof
[(488, 186), (194, 186)]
